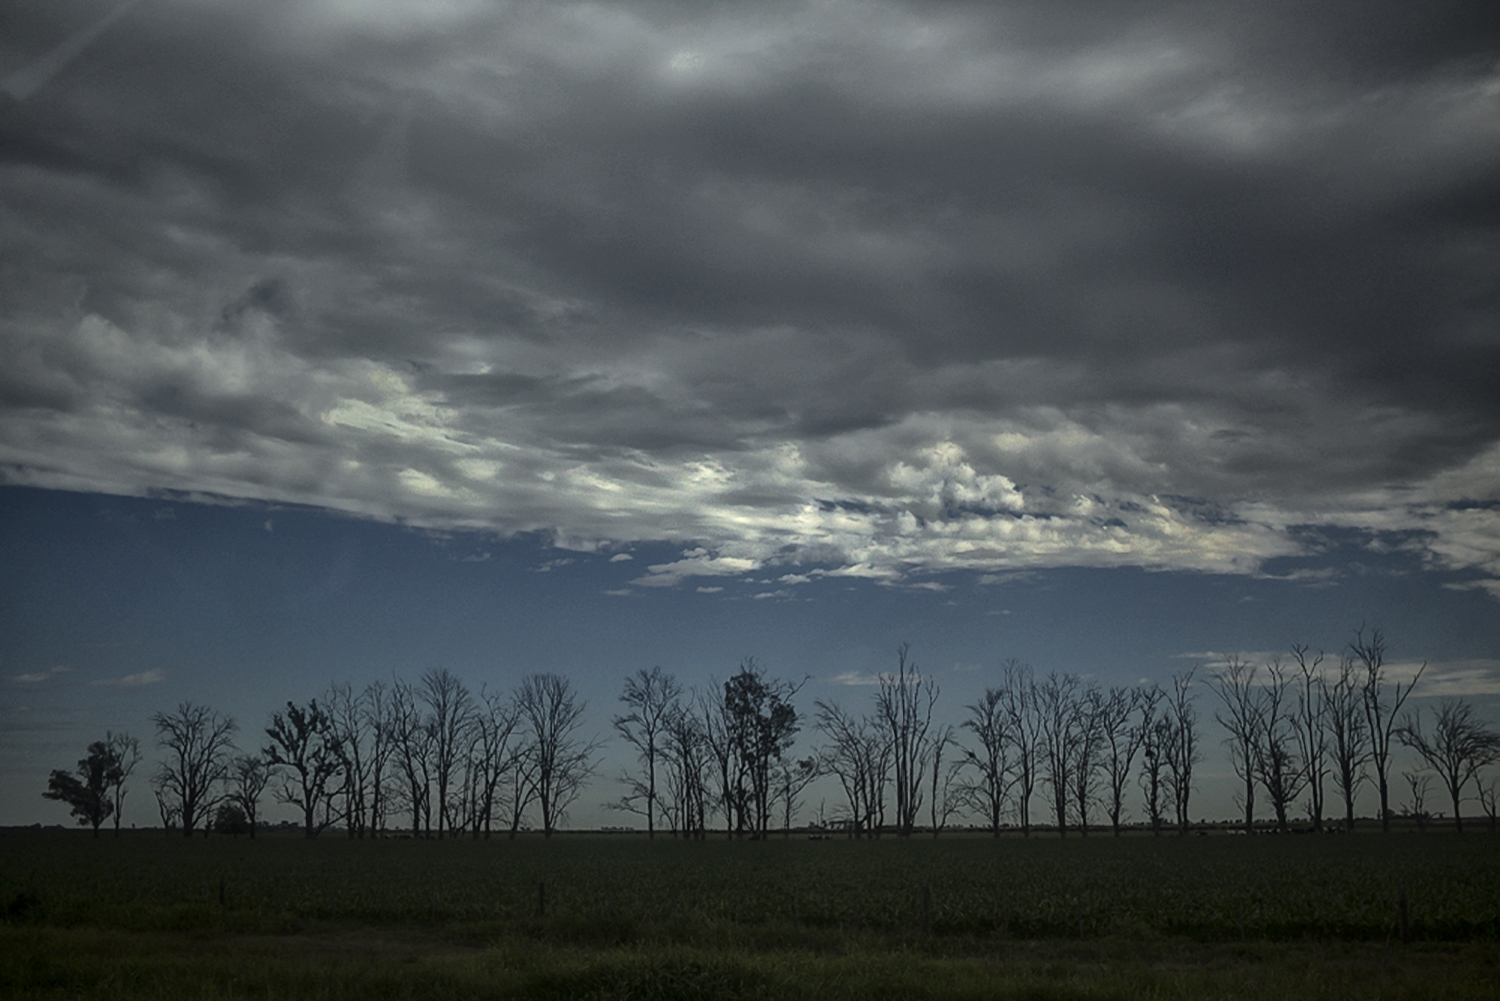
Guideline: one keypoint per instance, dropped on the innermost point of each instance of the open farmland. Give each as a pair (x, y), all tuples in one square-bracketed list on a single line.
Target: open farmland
[(1111, 905)]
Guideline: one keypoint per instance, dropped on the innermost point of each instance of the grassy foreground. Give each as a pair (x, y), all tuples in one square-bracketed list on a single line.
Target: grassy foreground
[(143, 917)]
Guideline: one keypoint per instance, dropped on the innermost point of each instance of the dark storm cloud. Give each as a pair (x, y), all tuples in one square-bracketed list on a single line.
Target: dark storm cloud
[(902, 285)]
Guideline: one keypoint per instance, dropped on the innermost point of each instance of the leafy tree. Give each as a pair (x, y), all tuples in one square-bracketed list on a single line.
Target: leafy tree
[(306, 750), (230, 819), (88, 794)]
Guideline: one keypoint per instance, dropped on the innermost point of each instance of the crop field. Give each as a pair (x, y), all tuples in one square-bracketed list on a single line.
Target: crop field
[(520, 918)]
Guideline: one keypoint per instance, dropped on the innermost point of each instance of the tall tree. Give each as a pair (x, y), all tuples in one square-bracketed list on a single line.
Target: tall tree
[(1277, 766), (1087, 753), (1459, 746), (759, 723), (944, 795), (858, 754), (350, 726), (1382, 707), (1156, 740), (685, 754), (1182, 747), (127, 754), (450, 712), (307, 754), (1239, 714), (988, 791), (198, 742), (412, 737), (1024, 732), (551, 713), (652, 697), (1348, 734), (1122, 742), (491, 755), (1311, 721), (904, 704), (87, 795), (1057, 706)]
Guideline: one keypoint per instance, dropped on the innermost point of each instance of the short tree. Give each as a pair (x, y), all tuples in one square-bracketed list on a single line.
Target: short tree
[(127, 754), (1459, 746), (88, 796), (249, 776)]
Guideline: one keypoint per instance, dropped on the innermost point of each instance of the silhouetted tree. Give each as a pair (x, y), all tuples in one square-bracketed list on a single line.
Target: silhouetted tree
[(412, 737), (491, 756), (551, 714), (1382, 706), (859, 755), (198, 743), (652, 697), (1310, 720), (1276, 764), (88, 797), (759, 723), (1057, 705), (904, 704), (1348, 734), (1122, 742), (1156, 740), (1024, 732), (1459, 746), (248, 779), (987, 792), (126, 751), (685, 753), (1240, 716), (306, 751), (1182, 745), (450, 713)]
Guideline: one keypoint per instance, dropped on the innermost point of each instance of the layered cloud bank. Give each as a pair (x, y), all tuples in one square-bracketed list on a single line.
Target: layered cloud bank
[(844, 288)]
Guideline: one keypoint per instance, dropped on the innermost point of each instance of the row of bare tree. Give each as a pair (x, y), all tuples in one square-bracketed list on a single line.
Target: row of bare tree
[(452, 762), (449, 760)]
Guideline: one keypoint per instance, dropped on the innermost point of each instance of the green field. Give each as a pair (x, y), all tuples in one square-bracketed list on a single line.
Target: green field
[(617, 916)]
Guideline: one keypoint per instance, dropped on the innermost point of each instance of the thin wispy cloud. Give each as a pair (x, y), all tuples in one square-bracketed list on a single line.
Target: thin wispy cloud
[(44, 675), (152, 677)]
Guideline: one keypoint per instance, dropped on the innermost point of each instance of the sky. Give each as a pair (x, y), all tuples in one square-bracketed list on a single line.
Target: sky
[(341, 340)]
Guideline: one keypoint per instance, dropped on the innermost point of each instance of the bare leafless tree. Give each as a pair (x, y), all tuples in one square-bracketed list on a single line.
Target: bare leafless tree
[(248, 776), (306, 754), (685, 754), (1382, 707), (1459, 746), (1024, 732), (1087, 753), (1182, 745), (1348, 734), (490, 755), (858, 753), (412, 738), (450, 712), (1489, 798), (1057, 707), (551, 715), (198, 742), (1239, 714), (1156, 739), (989, 788), (651, 696), (904, 704), (1277, 766), (945, 798), (126, 751), (1418, 784), (1123, 739), (789, 777), (350, 727), (1310, 720)]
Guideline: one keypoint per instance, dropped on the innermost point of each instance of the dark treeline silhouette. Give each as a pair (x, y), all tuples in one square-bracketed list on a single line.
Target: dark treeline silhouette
[(434, 759)]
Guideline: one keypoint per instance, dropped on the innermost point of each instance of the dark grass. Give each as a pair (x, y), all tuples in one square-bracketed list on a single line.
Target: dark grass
[(141, 916)]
